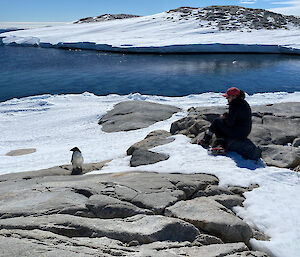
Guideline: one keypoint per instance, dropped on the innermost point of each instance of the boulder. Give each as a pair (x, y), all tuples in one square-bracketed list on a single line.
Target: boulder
[(144, 157), (281, 156), (212, 217), (154, 138), (131, 115)]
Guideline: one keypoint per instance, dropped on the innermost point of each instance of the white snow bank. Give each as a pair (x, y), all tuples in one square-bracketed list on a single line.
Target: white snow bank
[(29, 25), (156, 33), (53, 124)]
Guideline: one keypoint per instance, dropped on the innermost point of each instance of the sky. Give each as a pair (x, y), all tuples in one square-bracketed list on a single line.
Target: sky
[(71, 10)]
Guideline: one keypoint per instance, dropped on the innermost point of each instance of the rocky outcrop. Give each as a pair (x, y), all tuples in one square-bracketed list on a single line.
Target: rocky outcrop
[(154, 138), (106, 17), (144, 157), (275, 130), (120, 214), (231, 18), (140, 155), (131, 115)]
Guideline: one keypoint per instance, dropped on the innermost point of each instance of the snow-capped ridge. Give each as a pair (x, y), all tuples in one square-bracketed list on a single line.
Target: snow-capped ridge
[(106, 17), (214, 29)]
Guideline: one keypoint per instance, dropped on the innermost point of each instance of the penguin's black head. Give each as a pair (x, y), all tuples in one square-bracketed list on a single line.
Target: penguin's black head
[(74, 149)]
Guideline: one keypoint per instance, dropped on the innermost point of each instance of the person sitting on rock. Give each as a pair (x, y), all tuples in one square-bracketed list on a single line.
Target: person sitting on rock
[(236, 124)]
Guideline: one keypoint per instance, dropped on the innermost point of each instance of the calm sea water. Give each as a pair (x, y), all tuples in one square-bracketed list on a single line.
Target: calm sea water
[(26, 71)]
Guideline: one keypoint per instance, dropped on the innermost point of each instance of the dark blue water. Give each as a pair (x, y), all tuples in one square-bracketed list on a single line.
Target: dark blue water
[(26, 71)]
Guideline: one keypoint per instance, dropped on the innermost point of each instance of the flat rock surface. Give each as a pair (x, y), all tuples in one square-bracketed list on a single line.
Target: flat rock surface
[(19, 152), (119, 214), (131, 115)]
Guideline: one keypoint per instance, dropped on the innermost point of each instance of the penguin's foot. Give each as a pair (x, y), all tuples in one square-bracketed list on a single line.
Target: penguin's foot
[(76, 171)]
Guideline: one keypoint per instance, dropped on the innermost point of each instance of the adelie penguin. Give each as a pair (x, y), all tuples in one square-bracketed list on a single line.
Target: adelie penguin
[(77, 161)]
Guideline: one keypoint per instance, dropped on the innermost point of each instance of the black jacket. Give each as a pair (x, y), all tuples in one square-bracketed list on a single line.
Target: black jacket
[(239, 117)]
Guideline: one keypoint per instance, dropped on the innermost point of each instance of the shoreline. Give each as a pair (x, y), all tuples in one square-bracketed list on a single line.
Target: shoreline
[(216, 48)]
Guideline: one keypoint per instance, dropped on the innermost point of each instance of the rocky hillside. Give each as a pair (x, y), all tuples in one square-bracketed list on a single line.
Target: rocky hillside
[(234, 18), (106, 17)]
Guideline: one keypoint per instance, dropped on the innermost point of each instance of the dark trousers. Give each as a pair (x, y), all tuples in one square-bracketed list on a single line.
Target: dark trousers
[(222, 130)]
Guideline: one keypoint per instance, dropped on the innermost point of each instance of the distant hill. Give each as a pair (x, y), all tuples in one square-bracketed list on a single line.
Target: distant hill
[(186, 29), (106, 17), (234, 18)]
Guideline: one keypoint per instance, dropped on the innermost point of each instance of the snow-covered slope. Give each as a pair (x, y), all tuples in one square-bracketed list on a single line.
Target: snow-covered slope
[(210, 29)]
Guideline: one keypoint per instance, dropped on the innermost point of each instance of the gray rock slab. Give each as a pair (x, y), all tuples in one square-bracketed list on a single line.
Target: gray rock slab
[(241, 190), (260, 135), (154, 138), (131, 115), (212, 217), (212, 190), (291, 109), (205, 239), (229, 201), (39, 202), (62, 170), (281, 156), (172, 250), (211, 250), (19, 152), (146, 190), (248, 254), (106, 207), (44, 243), (142, 228), (144, 157), (156, 191), (78, 201)]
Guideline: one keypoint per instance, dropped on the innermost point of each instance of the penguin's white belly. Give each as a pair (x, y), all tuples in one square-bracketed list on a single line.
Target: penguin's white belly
[(77, 160)]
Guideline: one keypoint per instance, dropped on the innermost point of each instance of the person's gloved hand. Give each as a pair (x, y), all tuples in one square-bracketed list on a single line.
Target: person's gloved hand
[(224, 115)]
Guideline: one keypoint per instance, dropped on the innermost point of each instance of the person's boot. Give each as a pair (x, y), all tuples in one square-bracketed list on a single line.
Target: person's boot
[(219, 142), (219, 147), (204, 142)]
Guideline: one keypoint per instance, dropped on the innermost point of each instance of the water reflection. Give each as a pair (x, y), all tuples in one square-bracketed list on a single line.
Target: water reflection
[(31, 71)]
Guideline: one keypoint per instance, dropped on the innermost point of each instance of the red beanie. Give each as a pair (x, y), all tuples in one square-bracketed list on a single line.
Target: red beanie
[(232, 91)]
